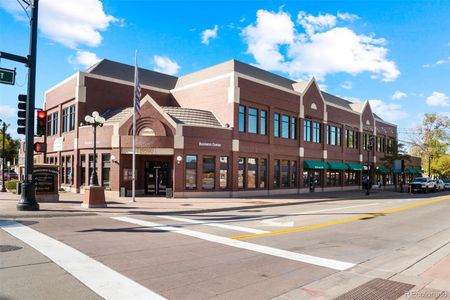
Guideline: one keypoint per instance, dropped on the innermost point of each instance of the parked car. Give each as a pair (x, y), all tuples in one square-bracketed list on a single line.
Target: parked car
[(439, 185), (446, 184), (9, 174), (422, 184)]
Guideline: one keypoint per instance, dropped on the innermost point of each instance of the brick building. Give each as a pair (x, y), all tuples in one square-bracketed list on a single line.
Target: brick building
[(228, 130)]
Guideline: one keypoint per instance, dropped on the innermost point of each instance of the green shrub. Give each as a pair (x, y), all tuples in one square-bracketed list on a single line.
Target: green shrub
[(11, 185)]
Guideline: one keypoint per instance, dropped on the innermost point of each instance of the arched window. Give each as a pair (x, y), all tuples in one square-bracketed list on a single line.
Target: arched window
[(147, 131)]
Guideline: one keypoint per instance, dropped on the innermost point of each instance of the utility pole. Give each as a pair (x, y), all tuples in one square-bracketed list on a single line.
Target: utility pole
[(28, 196)]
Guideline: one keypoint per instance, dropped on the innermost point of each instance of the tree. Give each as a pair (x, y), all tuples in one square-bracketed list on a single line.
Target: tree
[(441, 166), (431, 139), (11, 147)]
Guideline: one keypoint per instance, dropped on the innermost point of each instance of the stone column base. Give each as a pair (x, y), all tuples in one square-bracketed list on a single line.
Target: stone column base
[(94, 197)]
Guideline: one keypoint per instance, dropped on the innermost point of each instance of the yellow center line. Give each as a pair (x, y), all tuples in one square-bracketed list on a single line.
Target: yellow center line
[(342, 221)]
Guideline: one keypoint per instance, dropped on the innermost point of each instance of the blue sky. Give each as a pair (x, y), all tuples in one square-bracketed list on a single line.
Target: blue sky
[(394, 53)]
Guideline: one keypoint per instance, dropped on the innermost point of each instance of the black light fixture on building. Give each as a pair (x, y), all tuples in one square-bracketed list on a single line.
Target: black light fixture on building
[(94, 120)]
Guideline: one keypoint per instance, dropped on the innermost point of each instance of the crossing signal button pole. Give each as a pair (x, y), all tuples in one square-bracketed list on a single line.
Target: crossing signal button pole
[(41, 123), (21, 114)]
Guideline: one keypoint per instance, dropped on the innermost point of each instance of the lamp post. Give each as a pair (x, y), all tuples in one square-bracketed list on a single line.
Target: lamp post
[(94, 120), (3, 190), (369, 147)]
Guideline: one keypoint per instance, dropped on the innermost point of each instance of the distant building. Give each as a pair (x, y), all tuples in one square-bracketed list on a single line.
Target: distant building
[(229, 130)]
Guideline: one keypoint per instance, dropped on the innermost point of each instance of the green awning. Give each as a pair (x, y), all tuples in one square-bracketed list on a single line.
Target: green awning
[(383, 169), (332, 165), (354, 167), (409, 171), (420, 171), (315, 164)]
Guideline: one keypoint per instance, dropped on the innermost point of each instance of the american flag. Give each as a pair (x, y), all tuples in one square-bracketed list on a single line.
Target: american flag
[(137, 91)]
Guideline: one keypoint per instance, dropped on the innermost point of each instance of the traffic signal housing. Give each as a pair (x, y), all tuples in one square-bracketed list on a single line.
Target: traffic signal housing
[(21, 114), (41, 122), (40, 147)]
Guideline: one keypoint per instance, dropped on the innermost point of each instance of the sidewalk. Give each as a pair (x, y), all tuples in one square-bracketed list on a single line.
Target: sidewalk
[(70, 203)]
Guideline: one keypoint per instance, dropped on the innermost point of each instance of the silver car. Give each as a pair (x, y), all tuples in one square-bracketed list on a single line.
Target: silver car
[(447, 184), (440, 185)]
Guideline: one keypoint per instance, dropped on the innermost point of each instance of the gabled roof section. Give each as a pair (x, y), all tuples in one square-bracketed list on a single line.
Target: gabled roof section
[(194, 117), (125, 72), (300, 86), (337, 100)]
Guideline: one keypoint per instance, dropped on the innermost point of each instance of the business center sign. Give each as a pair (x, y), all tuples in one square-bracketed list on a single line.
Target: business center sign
[(7, 76)]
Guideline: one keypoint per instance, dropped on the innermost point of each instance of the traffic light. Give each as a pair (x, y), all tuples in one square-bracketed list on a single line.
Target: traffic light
[(41, 122), (40, 147), (22, 114)]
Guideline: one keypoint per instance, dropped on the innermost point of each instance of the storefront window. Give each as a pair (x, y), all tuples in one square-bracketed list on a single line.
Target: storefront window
[(63, 169), (223, 172), (106, 169), (276, 173), (209, 172), (350, 178), (333, 178), (191, 172), (252, 120), (241, 172), (68, 170), (252, 170), (305, 179), (317, 175), (294, 173), (83, 169), (284, 173), (263, 123), (263, 172)]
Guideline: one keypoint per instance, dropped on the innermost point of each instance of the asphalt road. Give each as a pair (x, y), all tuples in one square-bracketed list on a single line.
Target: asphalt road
[(305, 251)]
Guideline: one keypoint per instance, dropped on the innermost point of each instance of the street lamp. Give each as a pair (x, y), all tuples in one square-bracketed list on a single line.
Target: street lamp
[(369, 177), (3, 190), (94, 120)]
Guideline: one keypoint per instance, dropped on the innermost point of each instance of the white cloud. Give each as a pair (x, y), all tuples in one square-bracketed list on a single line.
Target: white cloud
[(438, 99), (347, 17), (388, 111), (439, 62), (165, 65), (71, 23), (7, 111), (84, 59), (209, 34), (347, 85), (278, 45), (398, 95)]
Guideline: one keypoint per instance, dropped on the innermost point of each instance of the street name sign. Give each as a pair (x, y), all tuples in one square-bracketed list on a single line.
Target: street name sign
[(7, 76)]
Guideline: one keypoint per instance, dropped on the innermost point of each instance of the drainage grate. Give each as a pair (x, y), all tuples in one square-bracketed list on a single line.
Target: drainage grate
[(8, 248), (377, 289)]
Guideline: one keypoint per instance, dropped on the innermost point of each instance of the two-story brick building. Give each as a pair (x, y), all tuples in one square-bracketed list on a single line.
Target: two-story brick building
[(228, 130)]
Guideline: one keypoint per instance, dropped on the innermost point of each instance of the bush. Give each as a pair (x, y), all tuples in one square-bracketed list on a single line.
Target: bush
[(11, 185)]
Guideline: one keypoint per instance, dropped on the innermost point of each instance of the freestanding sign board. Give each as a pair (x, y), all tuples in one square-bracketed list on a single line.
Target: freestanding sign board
[(45, 178), (7, 76)]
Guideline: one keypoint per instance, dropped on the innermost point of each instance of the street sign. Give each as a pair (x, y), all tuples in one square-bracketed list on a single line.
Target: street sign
[(7, 76)]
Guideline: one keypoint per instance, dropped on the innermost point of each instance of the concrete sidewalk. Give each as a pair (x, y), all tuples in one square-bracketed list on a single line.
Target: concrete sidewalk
[(70, 203)]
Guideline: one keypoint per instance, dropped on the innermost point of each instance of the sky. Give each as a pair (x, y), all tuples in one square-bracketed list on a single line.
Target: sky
[(396, 54)]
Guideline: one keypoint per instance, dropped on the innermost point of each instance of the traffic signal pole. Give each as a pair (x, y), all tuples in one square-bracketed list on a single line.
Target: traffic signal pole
[(28, 196)]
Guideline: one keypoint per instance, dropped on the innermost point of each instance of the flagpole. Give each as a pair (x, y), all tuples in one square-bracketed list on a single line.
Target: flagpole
[(133, 188)]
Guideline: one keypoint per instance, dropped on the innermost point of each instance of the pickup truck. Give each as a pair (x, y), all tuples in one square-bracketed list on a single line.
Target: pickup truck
[(422, 184)]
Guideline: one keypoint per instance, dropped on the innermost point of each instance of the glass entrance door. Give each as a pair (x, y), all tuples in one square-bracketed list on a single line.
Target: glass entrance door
[(156, 177)]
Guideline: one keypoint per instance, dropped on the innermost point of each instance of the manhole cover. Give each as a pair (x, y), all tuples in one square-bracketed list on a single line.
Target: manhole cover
[(7, 248), (377, 289)]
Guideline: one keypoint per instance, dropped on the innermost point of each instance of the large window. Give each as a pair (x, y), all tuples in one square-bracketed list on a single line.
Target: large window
[(333, 178), (106, 170), (276, 173), (191, 172), (316, 132), (338, 136), (241, 172), (252, 120), (284, 173), (223, 172), (209, 172), (307, 130), (241, 118), (276, 125), (293, 128), (350, 138), (72, 117), (294, 173), (332, 135), (52, 124), (351, 178), (285, 126), (83, 170), (68, 119), (263, 122), (65, 124), (252, 171), (263, 173)]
